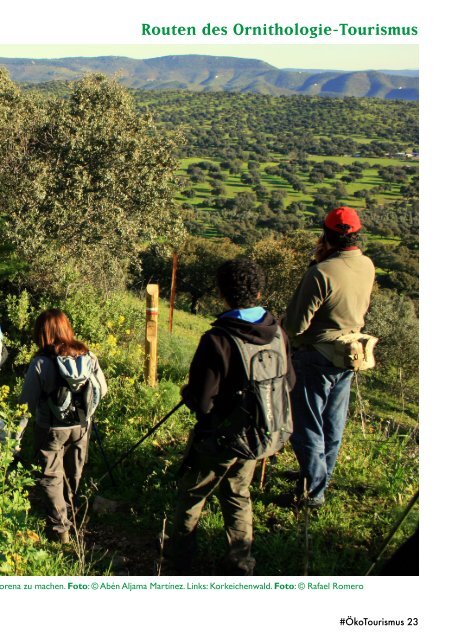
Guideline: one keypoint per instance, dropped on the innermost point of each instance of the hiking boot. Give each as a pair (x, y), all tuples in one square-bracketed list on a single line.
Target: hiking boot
[(295, 499), (170, 560), (288, 499), (313, 503), (304, 498), (291, 474), (238, 567)]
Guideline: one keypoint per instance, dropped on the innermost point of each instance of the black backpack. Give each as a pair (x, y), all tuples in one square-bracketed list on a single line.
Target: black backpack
[(260, 422)]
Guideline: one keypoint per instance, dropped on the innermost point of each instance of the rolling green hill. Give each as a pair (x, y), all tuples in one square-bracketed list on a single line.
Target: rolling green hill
[(217, 73)]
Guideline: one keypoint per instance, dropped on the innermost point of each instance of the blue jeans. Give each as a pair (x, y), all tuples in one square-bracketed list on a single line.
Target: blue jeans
[(320, 401)]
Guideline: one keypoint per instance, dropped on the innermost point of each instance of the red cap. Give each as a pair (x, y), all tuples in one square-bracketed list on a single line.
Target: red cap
[(343, 220)]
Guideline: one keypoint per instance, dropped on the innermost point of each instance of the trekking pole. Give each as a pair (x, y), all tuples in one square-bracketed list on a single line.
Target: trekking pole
[(396, 527), (307, 537), (262, 473), (103, 454), (125, 455)]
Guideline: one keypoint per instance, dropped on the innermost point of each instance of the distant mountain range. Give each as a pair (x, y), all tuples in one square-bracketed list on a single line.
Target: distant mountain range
[(217, 73)]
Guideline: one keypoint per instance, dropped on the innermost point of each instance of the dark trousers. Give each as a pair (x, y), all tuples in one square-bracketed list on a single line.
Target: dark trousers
[(62, 453), (231, 477)]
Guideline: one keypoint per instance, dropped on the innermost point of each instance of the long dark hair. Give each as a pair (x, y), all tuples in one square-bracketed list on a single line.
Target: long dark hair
[(54, 335), (341, 240)]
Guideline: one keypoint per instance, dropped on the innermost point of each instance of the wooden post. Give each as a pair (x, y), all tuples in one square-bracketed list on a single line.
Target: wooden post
[(173, 288), (151, 334)]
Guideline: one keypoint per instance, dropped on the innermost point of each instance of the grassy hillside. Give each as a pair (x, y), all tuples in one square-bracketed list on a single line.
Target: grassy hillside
[(376, 475)]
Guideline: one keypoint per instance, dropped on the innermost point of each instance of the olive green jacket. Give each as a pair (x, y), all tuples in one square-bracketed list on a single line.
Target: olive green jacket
[(331, 300)]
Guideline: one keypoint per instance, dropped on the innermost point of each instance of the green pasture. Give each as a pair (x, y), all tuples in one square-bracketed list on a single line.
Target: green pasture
[(232, 184)]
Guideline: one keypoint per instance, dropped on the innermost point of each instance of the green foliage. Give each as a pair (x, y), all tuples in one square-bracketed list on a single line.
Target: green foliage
[(198, 260), (23, 549), (18, 314), (400, 267), (285, 124), (392, 318), (83, 182), (19, 311), (284, 261), (397, 218), (309, 154), (66, 178)]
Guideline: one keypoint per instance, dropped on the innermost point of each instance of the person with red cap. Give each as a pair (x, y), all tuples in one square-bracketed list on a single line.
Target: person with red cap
[(330, 301)]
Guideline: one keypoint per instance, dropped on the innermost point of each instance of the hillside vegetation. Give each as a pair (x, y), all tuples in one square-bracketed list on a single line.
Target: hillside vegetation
[(375, 477), (81, 198), (218, 73)]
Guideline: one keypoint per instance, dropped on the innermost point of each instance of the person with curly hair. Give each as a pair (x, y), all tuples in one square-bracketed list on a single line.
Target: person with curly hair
[(217, 376)]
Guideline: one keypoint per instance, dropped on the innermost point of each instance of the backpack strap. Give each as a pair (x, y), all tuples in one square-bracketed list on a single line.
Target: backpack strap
[(243, 353), (247, 349), (282, 349)]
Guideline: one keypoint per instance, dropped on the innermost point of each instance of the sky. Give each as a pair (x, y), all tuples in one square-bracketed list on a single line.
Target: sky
[(347, 57)]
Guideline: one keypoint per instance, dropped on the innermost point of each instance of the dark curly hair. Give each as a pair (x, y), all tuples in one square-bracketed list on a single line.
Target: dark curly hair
[(240, 281), (341, 241)]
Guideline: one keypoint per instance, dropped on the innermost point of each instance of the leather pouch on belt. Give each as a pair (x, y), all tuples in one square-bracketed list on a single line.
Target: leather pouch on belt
[(354, 351)]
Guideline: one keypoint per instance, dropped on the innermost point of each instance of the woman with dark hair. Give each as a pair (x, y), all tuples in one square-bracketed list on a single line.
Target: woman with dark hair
[(62, 381)]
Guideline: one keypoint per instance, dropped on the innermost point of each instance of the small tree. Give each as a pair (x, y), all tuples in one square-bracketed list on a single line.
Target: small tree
[(392, 318), (83, 182)]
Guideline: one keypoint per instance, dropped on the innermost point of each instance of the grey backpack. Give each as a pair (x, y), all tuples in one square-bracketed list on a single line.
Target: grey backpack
[(78, 393), (261, 420)]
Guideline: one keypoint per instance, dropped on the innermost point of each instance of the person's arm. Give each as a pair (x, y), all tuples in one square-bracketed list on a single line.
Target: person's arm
[(99, 375), (307, 299), (30, 394), (290, 374), (206, 372), (3, 354), (3, 350)]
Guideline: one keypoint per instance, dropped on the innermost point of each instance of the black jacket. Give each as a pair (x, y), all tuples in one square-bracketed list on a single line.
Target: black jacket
[(217, 372)]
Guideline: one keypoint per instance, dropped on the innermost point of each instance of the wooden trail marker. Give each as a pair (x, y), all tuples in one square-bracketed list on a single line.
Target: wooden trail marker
[(151, 334)]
